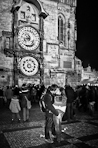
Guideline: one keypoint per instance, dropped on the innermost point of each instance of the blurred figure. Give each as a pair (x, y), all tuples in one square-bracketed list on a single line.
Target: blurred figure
[(33, 94), (2, 101), (70, 99), (41, 90), (16, 89), (25, 103), (8, 95), (59, 104), (50, 110), (15, 107)]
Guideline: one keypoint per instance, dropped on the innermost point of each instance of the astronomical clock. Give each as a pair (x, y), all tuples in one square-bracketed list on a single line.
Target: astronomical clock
[(28, 65), (27, 40)]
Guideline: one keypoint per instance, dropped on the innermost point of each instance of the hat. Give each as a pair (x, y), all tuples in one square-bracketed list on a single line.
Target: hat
[(24, 88)]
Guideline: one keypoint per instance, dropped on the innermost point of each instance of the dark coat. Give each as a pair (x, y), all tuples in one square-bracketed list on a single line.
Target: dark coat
[(23, 101), (22, 98), (48, 99), (70, 94)]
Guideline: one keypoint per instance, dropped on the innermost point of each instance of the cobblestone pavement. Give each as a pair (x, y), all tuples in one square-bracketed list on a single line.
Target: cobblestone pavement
[(81, 133)]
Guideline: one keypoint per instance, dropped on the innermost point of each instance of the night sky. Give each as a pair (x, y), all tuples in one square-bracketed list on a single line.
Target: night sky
[(87, 30)]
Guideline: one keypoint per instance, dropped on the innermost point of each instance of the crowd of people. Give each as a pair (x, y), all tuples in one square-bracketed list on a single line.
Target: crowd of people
[(61, 103), (82, 97), (20, 99), (6, 93), (87, 98)]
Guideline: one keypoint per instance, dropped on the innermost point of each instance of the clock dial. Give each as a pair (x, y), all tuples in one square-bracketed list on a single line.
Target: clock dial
[(28, 38), (29, 66)]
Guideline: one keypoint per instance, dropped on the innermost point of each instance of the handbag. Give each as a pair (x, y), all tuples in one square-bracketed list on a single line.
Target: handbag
[(28, 103)]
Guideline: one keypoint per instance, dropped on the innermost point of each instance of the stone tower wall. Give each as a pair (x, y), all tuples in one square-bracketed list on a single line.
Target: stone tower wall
[(5, 15)]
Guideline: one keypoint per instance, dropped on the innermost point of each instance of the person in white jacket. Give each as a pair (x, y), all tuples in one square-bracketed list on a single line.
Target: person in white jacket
[(15, 108)]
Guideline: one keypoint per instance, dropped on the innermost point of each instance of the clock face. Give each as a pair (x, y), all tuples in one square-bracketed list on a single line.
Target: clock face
[(28, 38), (29, 66)]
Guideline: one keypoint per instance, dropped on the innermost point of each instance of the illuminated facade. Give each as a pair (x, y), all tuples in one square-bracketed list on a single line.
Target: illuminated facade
[(42, 41)]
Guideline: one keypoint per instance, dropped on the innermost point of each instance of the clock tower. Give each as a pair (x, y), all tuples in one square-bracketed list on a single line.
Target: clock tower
[(27, 28)]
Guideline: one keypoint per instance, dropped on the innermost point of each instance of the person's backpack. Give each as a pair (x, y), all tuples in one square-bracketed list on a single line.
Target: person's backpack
[(42, 103)]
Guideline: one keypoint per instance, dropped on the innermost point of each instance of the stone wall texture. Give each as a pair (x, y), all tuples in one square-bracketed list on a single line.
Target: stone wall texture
[(5, 15)]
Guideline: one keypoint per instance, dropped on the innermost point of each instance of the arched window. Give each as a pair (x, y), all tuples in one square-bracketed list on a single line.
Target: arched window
[(61, 29)]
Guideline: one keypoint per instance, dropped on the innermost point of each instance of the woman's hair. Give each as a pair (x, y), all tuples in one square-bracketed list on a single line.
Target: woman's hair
[(61, 89), (53, 87)]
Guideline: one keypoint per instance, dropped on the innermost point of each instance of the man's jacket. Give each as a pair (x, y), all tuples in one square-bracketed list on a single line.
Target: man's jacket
[(48, 99)]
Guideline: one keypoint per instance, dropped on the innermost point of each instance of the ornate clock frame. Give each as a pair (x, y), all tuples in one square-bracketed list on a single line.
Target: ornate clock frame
[(28, 38), (27, 41)]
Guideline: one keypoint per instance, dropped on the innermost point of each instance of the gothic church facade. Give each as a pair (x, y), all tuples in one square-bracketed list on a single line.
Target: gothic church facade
[(38, 40)]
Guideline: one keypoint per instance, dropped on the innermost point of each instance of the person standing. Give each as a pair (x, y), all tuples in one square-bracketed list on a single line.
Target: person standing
[(50, 110), (70, 99), (8, 95), (60, 101), (25, 103), (15, 107)]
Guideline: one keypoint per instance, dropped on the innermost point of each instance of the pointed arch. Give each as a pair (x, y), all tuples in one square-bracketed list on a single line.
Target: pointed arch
[(37, 3), (61, 28)]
